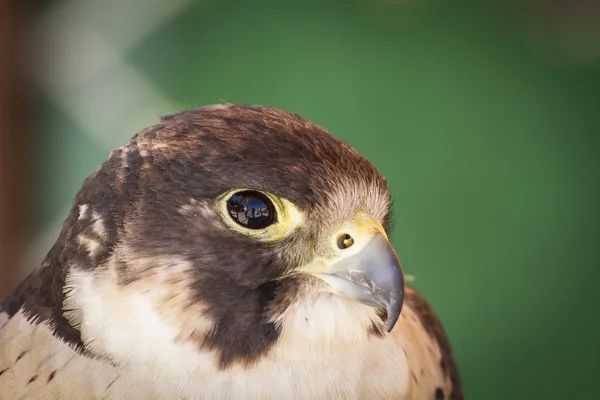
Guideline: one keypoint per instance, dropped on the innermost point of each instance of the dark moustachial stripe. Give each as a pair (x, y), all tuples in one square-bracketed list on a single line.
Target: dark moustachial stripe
[(244, 333)]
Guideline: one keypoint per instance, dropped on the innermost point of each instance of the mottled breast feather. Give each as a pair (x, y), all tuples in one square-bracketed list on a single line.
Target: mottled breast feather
[(434, 328)]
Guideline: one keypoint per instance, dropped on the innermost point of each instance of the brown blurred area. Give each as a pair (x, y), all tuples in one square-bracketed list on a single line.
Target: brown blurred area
[(14, 141)]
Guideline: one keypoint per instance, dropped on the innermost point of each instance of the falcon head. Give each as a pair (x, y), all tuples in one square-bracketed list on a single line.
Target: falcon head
[(229, 231)]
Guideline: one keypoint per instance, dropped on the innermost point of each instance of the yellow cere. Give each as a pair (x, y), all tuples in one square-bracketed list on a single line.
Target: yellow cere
[(360, 228)]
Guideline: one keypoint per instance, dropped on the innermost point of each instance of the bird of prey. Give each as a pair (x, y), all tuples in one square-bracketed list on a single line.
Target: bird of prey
[(228, 252)]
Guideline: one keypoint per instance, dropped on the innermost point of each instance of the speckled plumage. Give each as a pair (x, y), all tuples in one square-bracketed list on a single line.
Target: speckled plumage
[(147, 293)]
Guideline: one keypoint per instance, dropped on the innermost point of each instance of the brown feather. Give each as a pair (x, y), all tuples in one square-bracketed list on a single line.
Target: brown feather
[(433, 329), (128, 238)]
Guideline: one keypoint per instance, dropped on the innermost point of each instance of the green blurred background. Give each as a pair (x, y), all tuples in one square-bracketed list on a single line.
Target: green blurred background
[(483, 115)]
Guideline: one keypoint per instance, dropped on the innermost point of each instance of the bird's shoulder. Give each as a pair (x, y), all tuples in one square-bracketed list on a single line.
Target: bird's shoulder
[(427, 349)]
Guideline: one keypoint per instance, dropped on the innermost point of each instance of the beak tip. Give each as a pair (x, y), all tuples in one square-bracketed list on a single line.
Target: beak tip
[(391, 322), (394, 308)]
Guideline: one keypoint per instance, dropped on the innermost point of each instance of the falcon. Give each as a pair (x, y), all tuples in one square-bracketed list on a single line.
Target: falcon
[(228, 252)]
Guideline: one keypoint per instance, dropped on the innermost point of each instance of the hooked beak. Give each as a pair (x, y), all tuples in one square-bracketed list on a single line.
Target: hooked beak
[(368, 270)]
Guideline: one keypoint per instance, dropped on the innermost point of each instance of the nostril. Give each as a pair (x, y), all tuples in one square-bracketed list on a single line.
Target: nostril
[(344, 241)]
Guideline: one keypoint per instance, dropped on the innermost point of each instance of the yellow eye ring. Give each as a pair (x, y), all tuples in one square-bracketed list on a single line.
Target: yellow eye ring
[(286, 216)]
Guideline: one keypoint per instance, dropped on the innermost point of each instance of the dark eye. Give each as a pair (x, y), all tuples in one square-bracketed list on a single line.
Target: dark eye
[(251, 209)]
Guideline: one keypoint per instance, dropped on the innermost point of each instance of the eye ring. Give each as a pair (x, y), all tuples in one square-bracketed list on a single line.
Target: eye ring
[(345, 241), (251, 209)]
